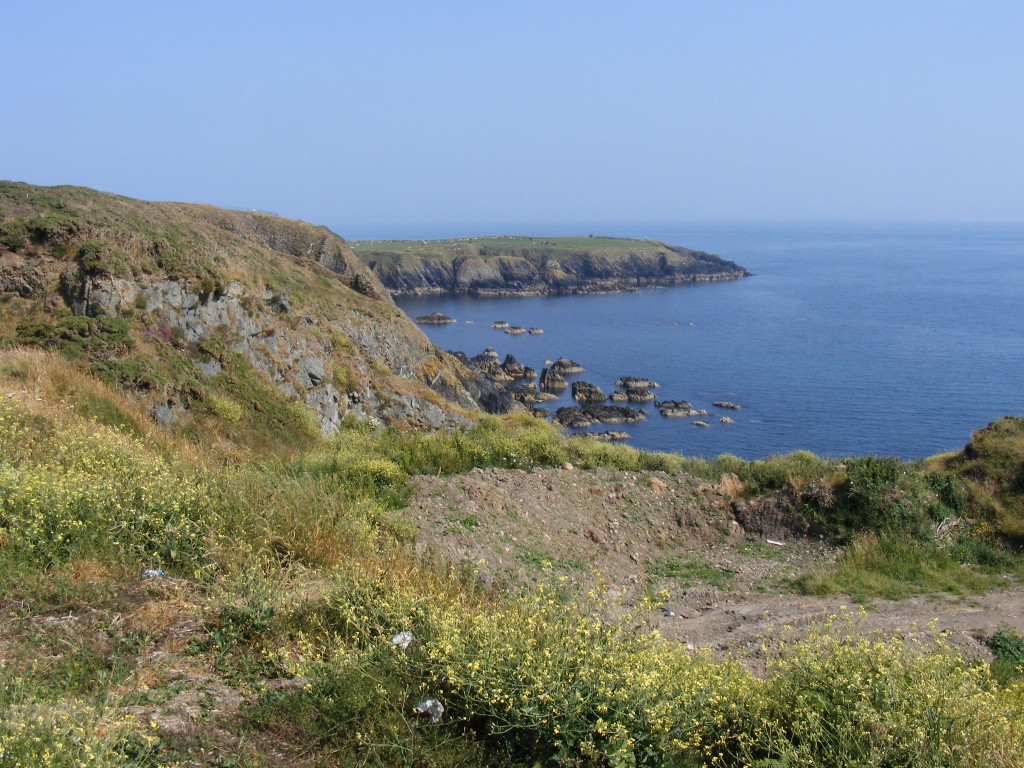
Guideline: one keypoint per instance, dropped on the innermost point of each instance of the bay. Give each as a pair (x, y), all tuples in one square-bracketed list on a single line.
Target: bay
[(848, 339)]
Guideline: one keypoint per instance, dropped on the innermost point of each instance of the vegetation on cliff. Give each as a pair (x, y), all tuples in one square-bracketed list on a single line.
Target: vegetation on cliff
[(533, 266), (225, 323), (193, 570)]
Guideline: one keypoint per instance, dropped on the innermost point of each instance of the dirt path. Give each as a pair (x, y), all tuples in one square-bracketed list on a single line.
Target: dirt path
[(636, 533)]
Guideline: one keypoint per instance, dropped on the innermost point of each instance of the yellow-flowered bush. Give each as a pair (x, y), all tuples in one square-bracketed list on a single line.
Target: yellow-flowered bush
[(839, 698), (86, 489), (544, 678), (540, 681), (69, 733), (534, 675)]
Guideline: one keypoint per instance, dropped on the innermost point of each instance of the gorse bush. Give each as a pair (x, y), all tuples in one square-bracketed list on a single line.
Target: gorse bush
[(93, 491)]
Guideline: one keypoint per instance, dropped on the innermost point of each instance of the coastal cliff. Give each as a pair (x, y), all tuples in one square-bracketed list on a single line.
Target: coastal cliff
[(525, 266), (220, 322)]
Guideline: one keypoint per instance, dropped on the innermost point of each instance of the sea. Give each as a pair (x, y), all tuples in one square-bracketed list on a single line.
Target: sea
[(891, 339)]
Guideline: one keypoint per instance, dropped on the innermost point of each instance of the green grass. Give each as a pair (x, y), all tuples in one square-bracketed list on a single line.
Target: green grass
[(894, 567), (1008, 648), (689, 572)]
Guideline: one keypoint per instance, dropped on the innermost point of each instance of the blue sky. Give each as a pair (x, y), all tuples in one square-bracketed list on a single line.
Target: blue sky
[(386, 113)]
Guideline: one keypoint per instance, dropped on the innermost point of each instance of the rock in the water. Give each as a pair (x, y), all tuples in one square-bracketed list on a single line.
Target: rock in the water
[(435, 318), (727, 420), (513, 367), (585, 392), (552, 381), (679, 412), (608, 436), (499, 324), (726, 404), (618, 397), (639, 395), (680, 404), (636, 382), (582, 417), (700, 424), (536, 331), (565, 366)]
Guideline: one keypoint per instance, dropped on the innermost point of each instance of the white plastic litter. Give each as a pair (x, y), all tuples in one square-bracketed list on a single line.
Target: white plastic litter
[(401, 639), (152, 573), (431, 707), (776, 543)]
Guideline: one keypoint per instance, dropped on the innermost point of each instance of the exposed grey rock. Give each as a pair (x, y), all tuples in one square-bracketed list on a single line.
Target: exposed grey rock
[(608, 436), (435, 318), (636, 382), (209, 367), (552, 381), (639, 395), (566, 367), (585, 392), (684, 404), (513, 367), (582, 417)]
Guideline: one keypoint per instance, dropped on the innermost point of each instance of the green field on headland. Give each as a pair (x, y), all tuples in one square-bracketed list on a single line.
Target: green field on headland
[(514, 265)]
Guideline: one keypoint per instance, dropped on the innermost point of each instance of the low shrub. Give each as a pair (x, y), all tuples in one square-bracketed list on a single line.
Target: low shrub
[(839, 698)]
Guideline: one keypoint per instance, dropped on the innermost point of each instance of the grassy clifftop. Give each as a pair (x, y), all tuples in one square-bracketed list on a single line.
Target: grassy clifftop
[(509, 265)]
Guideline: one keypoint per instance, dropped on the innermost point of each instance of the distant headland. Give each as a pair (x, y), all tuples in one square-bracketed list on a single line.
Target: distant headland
[(536, 266)]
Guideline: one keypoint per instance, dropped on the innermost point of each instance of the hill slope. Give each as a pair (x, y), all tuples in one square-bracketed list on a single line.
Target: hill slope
[(528, 266), (218, 318)]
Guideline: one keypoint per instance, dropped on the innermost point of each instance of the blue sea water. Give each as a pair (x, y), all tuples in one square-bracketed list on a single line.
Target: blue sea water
[(848, 339)]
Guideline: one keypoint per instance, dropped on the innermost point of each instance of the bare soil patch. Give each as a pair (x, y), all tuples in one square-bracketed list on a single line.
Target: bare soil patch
[(729, 577)]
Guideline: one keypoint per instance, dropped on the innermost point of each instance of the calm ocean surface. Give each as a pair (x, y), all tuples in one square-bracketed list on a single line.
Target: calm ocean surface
[(889, 339)]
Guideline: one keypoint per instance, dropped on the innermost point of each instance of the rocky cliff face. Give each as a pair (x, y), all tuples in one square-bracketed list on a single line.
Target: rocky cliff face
[(485, 266), (290, 299)]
